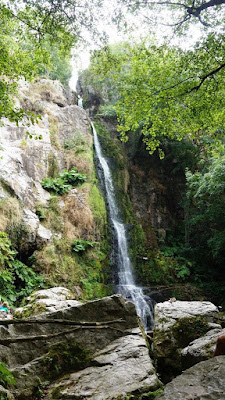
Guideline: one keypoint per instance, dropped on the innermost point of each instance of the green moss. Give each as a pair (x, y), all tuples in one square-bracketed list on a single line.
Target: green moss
[(33, 309), (53, 166), (98, 209), (144, 396), (188, 329), (112, 147), (64, 357), (151, 395), (90, 270)]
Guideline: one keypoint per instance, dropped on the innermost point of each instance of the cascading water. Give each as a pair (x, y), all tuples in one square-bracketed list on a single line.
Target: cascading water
[(80, 102), (126, 285)]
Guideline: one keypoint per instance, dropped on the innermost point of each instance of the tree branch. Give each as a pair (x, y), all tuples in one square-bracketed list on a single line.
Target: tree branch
[(20, 339), (191, 11), (59, 321), (204, 77)]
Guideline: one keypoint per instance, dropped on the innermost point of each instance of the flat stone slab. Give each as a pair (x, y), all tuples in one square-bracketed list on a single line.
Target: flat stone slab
[(120, 369)]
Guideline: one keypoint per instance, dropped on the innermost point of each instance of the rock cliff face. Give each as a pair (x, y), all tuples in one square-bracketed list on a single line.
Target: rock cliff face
[(155, 192), (41, 224)]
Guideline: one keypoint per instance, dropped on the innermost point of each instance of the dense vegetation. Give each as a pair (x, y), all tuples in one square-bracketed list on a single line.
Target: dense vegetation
[(174, 99)]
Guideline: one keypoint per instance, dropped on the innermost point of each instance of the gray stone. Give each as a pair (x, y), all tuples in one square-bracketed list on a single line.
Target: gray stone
[(92, 325), (25, 162), (43, 234), (168, 313), (204, 381), (120, 369), (176, 325), (6, 394), (47, 300), (200, 349)]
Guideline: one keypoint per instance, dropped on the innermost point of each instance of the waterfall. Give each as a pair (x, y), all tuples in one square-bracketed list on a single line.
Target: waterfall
[(126, 285), (80, 102)]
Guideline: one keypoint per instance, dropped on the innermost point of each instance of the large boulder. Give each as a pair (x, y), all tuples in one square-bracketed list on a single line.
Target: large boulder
[(204, 381), (48, 300), (200, 349), (176, 325), (121, 369), (42, 349)]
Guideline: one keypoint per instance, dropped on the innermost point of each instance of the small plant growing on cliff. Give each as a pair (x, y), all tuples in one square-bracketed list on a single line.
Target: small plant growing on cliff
[(80, 245), (6, 377), (72, 177), (56, 185), (64, 182), (6, 253), (16, 279)]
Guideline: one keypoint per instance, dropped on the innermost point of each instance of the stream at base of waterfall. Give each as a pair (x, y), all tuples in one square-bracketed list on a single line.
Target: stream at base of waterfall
[(126, 284)]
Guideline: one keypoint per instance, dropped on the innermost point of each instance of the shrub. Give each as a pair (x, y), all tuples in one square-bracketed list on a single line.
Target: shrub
[(16, 279), (56, 185), (80, 245), (6, 253), (64, 182), (6, 377), (72, 177), (108, 111)]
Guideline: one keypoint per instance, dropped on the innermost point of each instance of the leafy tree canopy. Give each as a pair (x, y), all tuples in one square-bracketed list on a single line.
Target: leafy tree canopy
[(34, 37), (166, 91)]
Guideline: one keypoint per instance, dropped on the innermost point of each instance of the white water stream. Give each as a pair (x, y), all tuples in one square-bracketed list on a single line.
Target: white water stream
[(126, 285), (80, 102)]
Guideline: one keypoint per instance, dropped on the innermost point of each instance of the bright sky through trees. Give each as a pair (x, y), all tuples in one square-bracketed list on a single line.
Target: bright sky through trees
[(137, 27)]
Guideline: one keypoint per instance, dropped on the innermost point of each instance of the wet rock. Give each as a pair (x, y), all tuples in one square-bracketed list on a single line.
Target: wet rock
[(121, 369), (176, 325), (202, 381)]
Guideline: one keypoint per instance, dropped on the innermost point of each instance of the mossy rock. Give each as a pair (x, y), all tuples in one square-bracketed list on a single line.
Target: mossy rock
[(176, 325), (5, 394), (63, 357), (187, 329)]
